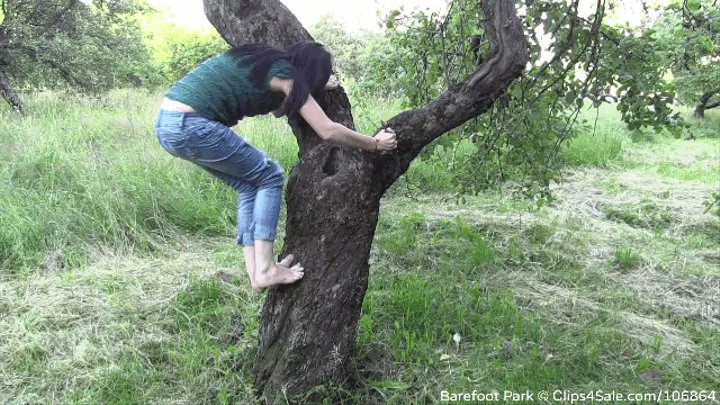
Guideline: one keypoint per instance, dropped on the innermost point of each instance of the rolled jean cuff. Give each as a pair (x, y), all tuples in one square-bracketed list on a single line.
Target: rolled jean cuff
[(246, 239), (264, 233)]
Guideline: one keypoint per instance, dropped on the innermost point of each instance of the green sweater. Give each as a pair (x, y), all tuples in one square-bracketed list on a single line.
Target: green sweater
[(220, 90)]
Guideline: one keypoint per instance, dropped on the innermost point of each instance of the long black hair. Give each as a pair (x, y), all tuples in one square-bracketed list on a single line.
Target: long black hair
[(312, 68)]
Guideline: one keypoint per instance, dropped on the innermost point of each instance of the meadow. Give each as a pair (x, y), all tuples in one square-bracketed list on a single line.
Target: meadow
[(120, 281)]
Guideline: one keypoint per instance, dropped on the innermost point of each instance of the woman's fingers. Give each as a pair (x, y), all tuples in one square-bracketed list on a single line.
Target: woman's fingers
[(387, 139)]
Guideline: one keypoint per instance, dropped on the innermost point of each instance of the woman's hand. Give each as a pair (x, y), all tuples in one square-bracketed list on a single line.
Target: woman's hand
[(385, 140)]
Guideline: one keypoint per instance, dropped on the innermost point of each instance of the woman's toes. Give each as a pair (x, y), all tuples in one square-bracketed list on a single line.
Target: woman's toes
[(287, 260)]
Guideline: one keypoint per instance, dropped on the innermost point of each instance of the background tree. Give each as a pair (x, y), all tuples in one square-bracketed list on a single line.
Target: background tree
[(344, 47), (308, 329), (689, 32), (367, 62), (55, 43), (188, 49)]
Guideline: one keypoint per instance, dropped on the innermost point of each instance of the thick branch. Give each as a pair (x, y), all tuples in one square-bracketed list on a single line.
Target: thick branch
[(419, 127), (249, 21), (4, 48), (705, 98), (56, 18), (703, 103)]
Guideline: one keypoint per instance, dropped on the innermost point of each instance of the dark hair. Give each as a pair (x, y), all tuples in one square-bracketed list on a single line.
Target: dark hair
[(312, 68)]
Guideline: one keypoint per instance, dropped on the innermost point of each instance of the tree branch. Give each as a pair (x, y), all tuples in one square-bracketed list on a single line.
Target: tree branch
[(570, 40), (65, 73), (249, 21), (419, 127), (54, 20)]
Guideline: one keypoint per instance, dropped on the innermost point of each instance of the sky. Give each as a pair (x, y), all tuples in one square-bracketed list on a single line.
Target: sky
[(355, 15)]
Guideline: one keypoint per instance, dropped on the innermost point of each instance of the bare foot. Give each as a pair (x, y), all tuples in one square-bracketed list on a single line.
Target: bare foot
[(279, 273), (253, 283), (249, 256)]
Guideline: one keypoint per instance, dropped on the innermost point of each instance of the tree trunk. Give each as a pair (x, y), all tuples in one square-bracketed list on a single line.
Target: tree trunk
[(9, 95), (5, 89), (703, 104), (308, 329)]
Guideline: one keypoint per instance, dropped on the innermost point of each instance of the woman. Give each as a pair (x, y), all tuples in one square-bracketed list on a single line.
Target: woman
[(194, 124)]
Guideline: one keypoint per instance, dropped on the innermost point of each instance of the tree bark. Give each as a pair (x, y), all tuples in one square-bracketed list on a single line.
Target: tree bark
[(5, 89), (9, 95), (703, 104), (308, 330)]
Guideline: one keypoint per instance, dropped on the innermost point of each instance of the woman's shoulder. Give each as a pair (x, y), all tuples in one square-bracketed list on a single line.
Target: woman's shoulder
[(281, 68)]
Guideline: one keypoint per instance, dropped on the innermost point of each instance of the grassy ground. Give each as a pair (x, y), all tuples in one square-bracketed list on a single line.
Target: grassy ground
[(120, 281)]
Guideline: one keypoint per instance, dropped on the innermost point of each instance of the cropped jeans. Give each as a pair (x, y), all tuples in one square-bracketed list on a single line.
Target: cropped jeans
[(227, 156)]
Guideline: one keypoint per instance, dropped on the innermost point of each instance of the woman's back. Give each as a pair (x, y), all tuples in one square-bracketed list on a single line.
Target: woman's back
[(220, 89)]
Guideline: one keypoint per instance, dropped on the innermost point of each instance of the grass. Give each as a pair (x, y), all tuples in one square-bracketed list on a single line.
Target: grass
[(120, 281), (626, 259), (100, 178), (594, 149)]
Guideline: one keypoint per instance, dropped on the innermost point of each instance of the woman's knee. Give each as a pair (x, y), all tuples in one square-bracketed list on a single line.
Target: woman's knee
[(274, 177)]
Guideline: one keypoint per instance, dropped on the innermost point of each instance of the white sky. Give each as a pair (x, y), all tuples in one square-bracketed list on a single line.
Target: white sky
[(353, 14), (356, 15)]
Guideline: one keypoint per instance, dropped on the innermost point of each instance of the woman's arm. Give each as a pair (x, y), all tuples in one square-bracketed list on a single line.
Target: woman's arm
[(333, 132), (336, 133)]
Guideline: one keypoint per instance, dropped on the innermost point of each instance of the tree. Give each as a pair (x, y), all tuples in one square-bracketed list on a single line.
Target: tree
[(578, 61), (188, 49), (368, 60), (344, 47), (91, 46), (308, 329), (690, 33)]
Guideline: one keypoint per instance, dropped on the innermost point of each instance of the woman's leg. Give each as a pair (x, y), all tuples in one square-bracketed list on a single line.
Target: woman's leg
[(245, 207), (221, 151)]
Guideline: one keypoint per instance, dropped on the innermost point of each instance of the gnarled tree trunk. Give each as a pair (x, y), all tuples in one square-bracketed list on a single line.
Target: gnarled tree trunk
[(308, 329), (703, 104)]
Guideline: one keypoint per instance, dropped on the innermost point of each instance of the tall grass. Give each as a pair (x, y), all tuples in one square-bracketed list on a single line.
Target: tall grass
[(80, 171), (488, 293), (91, 172)]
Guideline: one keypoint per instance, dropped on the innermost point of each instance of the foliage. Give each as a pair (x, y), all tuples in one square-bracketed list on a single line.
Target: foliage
[(689, 32), (189, 49), (575, 60), (363, 60), (379, 59), (89, 45), (344, 47)]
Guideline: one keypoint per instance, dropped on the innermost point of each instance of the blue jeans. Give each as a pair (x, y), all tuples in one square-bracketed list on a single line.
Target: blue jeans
[(217, 149)]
